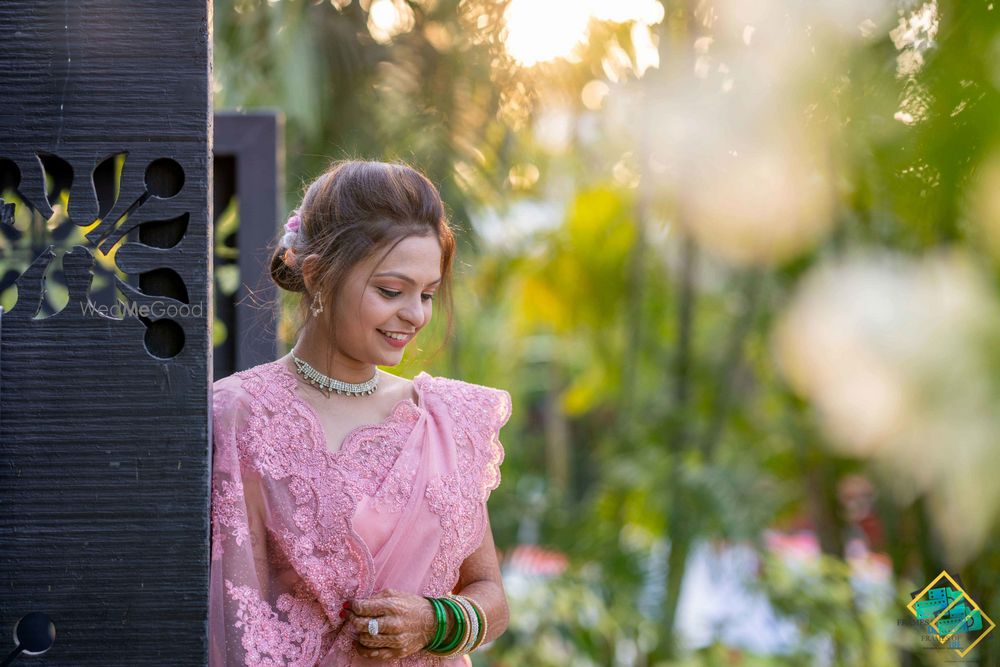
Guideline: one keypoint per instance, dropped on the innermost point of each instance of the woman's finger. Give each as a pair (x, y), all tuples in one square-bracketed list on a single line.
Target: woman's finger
[(375, 653), (372, 607), (377, 641)]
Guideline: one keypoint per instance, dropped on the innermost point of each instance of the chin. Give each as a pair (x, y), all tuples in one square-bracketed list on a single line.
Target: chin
[(391, 359)]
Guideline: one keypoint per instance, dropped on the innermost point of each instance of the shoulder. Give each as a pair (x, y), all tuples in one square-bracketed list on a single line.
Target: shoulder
[(438, 384), (227, 385), (487, 406), (477, 413), (242, 385)]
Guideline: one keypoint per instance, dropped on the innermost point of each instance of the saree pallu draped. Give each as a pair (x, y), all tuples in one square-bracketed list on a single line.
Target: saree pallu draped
[(298, 529)]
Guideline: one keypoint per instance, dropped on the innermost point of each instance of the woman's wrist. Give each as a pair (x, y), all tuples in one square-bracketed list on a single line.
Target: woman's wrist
[(429, 622)]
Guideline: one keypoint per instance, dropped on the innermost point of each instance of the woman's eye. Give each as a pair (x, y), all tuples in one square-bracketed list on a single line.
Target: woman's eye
[(388, 293)]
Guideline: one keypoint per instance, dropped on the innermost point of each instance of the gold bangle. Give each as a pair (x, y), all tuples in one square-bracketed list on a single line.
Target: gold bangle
[(468, 629), (483, 624)]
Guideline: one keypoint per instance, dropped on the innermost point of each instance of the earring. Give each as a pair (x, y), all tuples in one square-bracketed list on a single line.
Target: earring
[(317, 305)]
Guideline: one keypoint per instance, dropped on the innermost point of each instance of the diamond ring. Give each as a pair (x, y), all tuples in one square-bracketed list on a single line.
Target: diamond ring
[(373, 626)]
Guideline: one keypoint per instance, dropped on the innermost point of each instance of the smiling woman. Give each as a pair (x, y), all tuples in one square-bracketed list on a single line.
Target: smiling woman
[(349, 521)]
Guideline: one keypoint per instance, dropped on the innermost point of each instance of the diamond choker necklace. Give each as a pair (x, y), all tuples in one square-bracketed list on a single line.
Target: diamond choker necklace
[(328, 384)]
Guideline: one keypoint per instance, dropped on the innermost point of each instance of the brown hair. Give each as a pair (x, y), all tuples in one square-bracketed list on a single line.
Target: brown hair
[(353, 210)]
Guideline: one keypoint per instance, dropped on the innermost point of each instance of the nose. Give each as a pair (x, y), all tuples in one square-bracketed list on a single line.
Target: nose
[(413, 313)]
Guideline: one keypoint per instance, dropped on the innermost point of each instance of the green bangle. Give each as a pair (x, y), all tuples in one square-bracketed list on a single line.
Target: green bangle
[(442, 623), (459, 627)]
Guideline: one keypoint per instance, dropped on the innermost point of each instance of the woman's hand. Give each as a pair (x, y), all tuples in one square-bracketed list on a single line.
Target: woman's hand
[(406, 624)]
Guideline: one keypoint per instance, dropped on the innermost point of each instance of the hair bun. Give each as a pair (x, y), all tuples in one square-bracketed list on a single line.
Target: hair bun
[(286, 277)]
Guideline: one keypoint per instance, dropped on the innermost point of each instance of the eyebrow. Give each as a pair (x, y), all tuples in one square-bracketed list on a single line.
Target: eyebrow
[(405, 278)]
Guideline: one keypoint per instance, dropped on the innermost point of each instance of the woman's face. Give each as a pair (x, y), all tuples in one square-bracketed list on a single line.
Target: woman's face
[(395, 302)]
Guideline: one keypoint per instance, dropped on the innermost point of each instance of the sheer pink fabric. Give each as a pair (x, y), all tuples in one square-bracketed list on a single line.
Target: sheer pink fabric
[(297, 529)]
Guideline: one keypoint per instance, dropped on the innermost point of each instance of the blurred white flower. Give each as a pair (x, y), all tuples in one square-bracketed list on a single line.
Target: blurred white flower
[(745, 140), (758, 201), (898, 357)]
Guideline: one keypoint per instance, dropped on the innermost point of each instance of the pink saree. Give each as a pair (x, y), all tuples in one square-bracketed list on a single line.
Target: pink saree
[(298, 529)]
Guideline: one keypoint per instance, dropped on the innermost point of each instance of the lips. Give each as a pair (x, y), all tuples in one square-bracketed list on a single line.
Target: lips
[(396, 342)]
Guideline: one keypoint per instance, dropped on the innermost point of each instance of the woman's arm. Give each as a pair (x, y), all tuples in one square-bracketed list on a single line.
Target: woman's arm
[(406, 620), (479, 578)]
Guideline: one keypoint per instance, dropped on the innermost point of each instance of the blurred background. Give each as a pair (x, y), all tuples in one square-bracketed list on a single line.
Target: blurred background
[(737, 262)]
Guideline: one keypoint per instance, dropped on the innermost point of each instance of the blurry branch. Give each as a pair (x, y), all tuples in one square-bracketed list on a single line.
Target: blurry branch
[(680, 528), (682, 356), (817, 482), (732, 361), (557, 435), (635, 293)]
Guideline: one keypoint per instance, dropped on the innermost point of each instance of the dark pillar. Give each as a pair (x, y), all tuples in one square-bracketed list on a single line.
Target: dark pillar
[(104, 412), (248, 180)]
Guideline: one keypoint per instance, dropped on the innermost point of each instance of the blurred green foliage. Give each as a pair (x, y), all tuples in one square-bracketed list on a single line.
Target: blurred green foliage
[(650, 407)]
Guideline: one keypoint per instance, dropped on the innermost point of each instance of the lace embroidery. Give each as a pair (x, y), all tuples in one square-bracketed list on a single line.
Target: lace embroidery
[(276, 443), (459, 498), (396, 489), (276, 556), (461, 519), (269, 641), (282, 440), (228, 511), (367, 461)]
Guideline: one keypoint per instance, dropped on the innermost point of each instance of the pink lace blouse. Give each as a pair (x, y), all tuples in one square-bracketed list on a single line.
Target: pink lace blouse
[(298, 529)]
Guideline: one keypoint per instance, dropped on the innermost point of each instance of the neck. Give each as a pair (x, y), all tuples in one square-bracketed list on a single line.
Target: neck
[(337, 366)]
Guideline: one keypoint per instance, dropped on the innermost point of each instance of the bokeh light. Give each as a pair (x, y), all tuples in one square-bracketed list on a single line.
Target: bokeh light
[(388, 18), (540, 30), (536, 31)]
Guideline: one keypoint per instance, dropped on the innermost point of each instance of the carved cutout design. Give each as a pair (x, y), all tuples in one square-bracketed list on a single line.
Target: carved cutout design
[(107, 183), (47, 258)]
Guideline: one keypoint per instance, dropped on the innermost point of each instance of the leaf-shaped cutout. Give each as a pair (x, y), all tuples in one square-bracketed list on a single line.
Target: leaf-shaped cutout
[(163, 282), (164, 233), (107, 180), (58, 180)]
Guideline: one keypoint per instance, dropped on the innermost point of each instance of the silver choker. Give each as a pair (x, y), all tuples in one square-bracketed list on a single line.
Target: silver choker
[(329, 384)]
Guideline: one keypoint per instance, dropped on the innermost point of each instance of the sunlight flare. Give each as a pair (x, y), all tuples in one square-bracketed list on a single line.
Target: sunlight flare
[(537, 31)]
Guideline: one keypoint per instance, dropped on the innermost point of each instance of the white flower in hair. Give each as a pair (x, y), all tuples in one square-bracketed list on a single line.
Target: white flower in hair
[(291, 230)]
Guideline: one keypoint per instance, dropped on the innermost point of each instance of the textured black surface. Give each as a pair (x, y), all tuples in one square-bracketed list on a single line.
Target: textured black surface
[(104, 455)]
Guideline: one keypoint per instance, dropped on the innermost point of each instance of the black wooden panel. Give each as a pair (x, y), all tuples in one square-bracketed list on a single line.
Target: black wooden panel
[(248, 166), (104, 484)]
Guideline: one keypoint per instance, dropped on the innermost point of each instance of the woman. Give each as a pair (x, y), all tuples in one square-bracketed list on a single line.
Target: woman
[(349, 503)]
